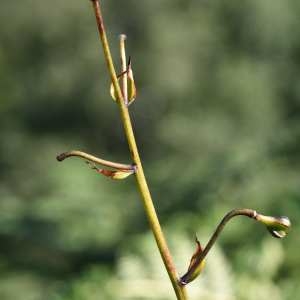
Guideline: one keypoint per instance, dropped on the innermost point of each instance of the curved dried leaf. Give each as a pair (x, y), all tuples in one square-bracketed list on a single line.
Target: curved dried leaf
[(117, 175), (195, 267)]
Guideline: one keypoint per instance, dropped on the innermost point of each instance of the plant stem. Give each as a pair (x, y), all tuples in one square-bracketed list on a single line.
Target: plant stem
[(94, 159), (250, 213), (140, 177), (124, 68)]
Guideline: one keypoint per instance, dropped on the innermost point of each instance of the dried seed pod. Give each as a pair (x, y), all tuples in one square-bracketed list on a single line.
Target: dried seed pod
[(195, 266), (131, 88)]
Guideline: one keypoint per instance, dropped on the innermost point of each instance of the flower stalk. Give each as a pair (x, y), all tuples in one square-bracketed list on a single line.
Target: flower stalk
[(124, 68), (277, 226), (139, 174), (94, 159)]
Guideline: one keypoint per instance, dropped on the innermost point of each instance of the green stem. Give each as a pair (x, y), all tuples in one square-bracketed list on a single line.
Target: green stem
[(124, 68), (140, 177), (250, 213)]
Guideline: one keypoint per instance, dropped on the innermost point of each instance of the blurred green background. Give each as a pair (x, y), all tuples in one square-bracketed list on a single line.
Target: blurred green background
[(217, 123)]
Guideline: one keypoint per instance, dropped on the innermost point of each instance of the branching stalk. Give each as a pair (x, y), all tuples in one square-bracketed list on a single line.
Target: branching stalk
[(140, 177), (94, 159), (250, 213), (236, 212)]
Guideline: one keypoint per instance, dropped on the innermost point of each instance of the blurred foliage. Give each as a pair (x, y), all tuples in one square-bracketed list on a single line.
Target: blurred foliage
[(217, 121)]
